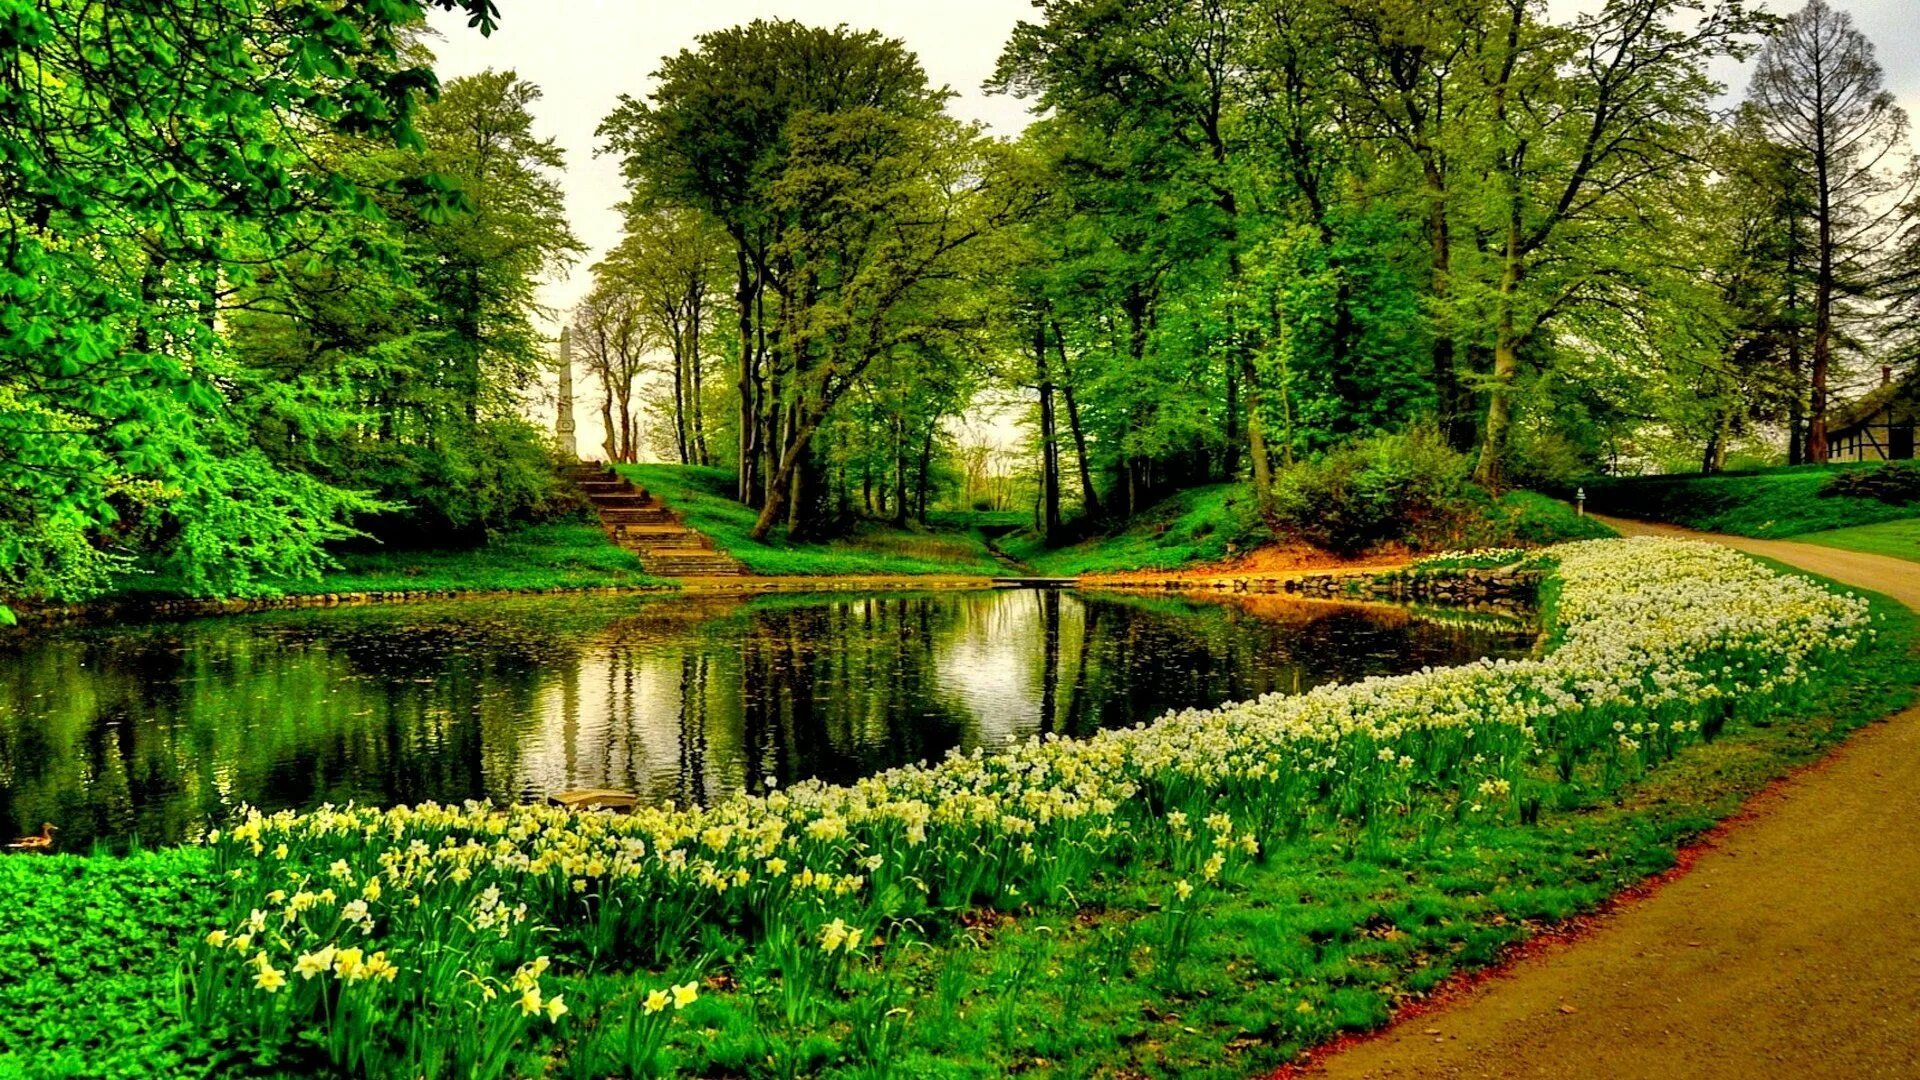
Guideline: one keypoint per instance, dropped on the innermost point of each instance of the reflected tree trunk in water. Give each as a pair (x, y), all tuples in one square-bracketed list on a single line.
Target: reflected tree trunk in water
[(693, 728), (1049, 657), (1077, 702)]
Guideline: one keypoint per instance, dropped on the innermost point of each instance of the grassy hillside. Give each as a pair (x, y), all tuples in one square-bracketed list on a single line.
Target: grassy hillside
[(1202, 524), (563, 555), (1208, 524), (703, 498), (1764, 503)]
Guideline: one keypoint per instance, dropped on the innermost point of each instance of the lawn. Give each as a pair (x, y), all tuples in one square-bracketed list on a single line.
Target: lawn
[(1768, 503), (703, 498), (1203, 524), (560, 555), (1900, 539), (1330, 928)]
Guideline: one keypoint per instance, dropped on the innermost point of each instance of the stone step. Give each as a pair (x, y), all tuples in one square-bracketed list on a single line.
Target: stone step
[(625, 500), (606, 487), (644, 515), (654, 528), (712, 565), (675, 548), (662, 538)]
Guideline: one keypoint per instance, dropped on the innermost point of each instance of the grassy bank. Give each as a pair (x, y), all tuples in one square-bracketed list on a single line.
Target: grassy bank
[(1217, 522), (1126, 972), (561, 555), (1767, 503), (1900, 539), (703, 498)]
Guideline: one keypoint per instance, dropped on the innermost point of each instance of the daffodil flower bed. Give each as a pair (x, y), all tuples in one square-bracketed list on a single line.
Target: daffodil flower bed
[(422, 941)]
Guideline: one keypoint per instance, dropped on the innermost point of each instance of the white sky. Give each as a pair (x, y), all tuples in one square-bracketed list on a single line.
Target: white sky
[(584, 53)]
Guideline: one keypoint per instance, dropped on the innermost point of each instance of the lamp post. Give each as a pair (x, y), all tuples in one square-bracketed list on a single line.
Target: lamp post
[(1580, 502)]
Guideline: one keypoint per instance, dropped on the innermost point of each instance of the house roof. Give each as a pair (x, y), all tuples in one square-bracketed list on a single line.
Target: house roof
[(1861, 409)]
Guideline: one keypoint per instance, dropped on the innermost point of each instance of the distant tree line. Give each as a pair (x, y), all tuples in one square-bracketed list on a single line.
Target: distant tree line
[(270, 287)]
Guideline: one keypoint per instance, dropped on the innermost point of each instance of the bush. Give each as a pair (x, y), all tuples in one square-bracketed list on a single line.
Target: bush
[(1897, 482), (1407, 487), (1546, 461)]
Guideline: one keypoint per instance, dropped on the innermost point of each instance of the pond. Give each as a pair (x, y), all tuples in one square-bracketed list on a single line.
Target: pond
[(149, 732)]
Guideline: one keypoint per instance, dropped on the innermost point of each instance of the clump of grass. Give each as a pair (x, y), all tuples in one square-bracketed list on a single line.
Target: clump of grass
[(702, 496)]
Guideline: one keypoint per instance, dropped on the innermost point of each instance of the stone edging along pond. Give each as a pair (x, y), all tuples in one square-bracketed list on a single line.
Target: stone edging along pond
[(1443, 585), (1660, 645), (194, 607)]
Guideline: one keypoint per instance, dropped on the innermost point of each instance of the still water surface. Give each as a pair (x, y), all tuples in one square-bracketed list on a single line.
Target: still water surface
[(152, 731)]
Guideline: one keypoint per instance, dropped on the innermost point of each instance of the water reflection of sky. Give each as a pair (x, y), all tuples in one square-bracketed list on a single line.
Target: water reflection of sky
[(154, 730)]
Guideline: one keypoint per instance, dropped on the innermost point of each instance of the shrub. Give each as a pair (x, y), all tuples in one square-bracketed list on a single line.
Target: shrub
[(1897, 482), (1409, 487), (1546, 461)]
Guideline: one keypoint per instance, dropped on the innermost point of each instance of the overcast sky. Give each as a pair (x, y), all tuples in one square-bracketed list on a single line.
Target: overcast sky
[(583, 54)]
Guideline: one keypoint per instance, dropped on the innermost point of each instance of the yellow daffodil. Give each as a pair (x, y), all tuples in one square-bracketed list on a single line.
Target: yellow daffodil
[(314, 963), (269, 978)]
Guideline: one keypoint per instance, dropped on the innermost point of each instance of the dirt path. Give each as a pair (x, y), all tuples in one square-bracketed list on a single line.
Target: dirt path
[(1790, 949)]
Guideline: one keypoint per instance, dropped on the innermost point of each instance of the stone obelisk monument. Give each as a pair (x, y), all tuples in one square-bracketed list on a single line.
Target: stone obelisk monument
[(563, 430)]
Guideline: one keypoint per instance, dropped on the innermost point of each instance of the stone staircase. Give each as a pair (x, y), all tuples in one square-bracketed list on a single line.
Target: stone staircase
[(641, 523)]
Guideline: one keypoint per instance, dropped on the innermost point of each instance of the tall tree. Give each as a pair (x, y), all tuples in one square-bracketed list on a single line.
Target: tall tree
[(1583, 124), (714, 136), (1817, 88), (672, 264)]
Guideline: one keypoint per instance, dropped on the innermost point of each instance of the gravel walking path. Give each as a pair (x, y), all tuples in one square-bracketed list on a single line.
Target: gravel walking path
[(1791, 949)]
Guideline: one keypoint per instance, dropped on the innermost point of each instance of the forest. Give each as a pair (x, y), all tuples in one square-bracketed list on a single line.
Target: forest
[(272, 286)]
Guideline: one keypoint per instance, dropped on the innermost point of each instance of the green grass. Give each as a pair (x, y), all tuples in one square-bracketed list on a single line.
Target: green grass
[(1202, 524), (563, 555), (1527, 518), (90, 945), (703, 498), (1768, 503), (1900, 539), (1324, 935)]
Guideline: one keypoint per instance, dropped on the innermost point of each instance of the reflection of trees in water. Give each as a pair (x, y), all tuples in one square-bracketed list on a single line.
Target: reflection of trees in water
[(150, 730)]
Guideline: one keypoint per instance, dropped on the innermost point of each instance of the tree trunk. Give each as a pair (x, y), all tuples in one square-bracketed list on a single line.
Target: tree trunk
[(1822, 305), (1452, 404), (1257, 445), (1506, 352), (800, 443), (899, 470), (700, 455), (923, 482), (680, 428), (744, 294), (1714, 458), (1049, 441), (1090, 501), (1230, 455)]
